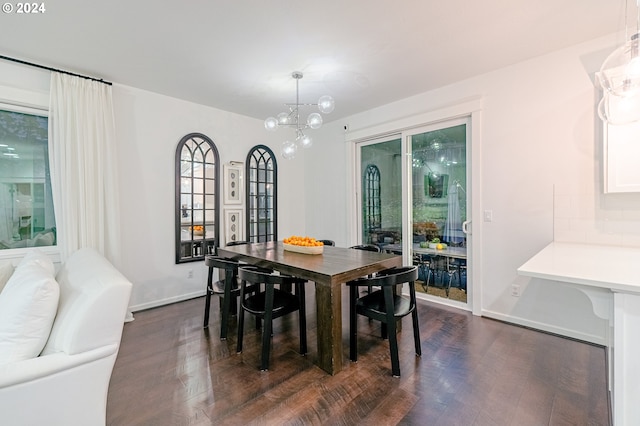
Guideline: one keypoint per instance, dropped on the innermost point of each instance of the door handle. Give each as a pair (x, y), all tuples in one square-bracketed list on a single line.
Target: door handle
[(465, 227)]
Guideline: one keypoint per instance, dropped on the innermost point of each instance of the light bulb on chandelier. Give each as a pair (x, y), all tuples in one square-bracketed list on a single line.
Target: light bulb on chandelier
[(289, 150), (304, 140), (620, 110), (619, 78), (314, 121)]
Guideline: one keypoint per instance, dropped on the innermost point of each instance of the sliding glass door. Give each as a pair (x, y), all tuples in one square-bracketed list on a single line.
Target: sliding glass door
[(414, 195), (439, 209)]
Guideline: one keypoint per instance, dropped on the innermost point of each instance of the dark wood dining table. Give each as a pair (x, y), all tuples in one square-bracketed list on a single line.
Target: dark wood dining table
[(329, 270)]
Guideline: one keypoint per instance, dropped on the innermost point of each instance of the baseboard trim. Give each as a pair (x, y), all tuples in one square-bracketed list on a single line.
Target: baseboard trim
[(166, 301), (590, 338)]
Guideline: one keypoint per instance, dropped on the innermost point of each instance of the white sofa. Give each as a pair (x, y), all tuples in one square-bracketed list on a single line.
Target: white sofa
[(67, 383)]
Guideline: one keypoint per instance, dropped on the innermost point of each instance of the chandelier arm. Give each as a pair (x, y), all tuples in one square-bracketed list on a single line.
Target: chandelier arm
[(297, 100), (292, 119), (294, 125)]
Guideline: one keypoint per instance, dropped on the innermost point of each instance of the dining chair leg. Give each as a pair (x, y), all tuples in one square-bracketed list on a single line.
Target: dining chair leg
[(414, 317), (207, 300), (426, 273), (240, 326), (416, 333), (256, 289), (448, 288), (353, 324), (286, 287), (302, 315), (393, 337), (266, 328), (226, 311)]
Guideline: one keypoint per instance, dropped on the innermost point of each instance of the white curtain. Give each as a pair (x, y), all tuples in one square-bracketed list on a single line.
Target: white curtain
[(83, 166), (453, 226)]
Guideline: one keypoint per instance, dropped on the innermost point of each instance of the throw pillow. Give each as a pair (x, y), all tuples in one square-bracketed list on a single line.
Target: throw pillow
[(28, 306), (6, 270), (36, 257)]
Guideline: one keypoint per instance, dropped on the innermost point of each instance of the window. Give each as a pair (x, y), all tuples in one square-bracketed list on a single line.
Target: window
[(26, 204), (197, 198), (262, 195)]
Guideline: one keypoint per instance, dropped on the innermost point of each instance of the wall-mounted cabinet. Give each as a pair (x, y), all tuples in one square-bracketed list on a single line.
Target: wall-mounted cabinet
[(621, 151)]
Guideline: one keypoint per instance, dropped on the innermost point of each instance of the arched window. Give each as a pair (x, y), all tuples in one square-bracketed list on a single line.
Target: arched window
[(262, 195), (197, 198), (371, 203)]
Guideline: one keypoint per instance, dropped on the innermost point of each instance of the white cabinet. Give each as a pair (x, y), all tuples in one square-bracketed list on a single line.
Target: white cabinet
[(621, 151)]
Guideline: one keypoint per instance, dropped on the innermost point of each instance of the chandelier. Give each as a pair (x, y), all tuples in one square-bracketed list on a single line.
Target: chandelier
[(291, 119), (619, 78)]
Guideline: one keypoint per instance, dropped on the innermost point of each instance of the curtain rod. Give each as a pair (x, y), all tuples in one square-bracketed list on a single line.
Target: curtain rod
[(31, 64)]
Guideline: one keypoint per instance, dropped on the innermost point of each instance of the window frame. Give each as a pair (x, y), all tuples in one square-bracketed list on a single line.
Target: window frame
[(372, 198), (207, 245), (267, 153), (32, 103)]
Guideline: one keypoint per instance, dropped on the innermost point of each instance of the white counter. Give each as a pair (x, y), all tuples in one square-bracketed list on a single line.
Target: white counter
[(615, 268), (618, 270)]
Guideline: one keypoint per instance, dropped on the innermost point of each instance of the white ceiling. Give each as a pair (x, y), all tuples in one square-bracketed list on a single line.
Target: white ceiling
[(238, 55)]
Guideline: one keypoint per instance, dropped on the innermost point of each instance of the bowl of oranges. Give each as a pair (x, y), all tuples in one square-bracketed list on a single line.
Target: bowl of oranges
[(197, 229), (305, 245)]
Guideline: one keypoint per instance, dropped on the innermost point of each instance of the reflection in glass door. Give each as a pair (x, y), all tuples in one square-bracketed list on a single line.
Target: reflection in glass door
[(381, 192), (439, 209)]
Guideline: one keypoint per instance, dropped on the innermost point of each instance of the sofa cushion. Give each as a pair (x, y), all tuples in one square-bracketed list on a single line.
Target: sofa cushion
[(93, 302), (28, 306), (6, 270)]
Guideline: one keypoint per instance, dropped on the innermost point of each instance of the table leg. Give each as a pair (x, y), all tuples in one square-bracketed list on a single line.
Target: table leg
[(329, 311)]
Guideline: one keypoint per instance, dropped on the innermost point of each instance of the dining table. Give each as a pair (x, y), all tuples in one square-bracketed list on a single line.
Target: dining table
[(448, 251), (329, 270)]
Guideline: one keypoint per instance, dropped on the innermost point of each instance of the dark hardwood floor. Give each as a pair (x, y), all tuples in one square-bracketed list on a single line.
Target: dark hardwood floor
[(473, 371)]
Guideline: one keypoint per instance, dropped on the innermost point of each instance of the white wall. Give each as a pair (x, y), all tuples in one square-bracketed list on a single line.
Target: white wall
[(149, 127), (325, 174), (541, 175)]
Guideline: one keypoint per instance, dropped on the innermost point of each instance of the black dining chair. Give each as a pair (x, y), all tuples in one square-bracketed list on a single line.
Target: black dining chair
[(455, 267), (445, 267), (236, 243), (423, 262), (227, 288), (434, 266), (367, 247), (386, 306), (269, 304)]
